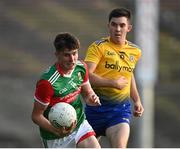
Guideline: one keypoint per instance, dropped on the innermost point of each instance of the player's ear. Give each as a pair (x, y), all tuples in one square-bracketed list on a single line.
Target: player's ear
[(129, 27)]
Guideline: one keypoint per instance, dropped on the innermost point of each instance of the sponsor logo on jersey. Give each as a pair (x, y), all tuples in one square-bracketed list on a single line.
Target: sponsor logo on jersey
[(67, 98), (117, 67), (63, 90), (111, 53)]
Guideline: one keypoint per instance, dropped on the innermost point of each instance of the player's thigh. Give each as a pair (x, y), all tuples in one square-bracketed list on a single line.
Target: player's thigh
[(90, 142), (85, 136), (118, 135)]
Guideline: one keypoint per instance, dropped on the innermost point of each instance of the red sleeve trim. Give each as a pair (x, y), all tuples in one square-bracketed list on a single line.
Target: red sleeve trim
[(44, 92)]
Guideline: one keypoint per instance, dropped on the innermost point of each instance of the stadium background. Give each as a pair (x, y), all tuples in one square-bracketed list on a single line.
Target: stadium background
[(27, 30)]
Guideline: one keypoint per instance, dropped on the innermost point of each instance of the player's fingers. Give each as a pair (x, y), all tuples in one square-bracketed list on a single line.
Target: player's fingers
[(94, 97), (98, 101), (137, 114), (68, 128)]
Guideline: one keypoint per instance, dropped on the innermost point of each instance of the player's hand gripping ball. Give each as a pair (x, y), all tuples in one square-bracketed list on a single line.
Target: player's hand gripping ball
[(62, 115)]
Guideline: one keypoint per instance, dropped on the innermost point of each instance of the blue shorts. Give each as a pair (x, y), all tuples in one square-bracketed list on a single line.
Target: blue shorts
[(108, 114)]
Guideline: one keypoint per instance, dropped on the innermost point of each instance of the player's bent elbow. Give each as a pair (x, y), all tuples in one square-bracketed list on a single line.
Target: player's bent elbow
[(34, 118)]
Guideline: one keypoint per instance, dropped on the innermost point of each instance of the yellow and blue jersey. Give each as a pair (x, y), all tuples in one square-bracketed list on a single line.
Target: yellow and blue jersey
[(112, 62)]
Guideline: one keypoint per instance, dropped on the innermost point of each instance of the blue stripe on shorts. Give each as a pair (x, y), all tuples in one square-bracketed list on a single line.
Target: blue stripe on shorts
[(108, 114)]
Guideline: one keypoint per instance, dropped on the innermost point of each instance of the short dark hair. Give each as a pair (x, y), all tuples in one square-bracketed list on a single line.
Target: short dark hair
[(120, 12), (66, 41)]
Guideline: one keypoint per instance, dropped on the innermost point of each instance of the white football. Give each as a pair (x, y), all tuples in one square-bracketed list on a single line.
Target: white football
[(62, 114)]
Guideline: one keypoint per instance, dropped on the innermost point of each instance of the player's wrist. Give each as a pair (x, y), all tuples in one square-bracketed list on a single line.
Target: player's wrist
[(136, 100), (109, 83)]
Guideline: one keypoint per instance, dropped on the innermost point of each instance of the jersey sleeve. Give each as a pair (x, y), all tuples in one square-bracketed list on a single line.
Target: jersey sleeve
[(43, 92), (93, 54)]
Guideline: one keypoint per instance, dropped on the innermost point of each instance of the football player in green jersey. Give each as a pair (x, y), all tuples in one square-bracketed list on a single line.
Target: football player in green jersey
[(65, 81), (111, 61)]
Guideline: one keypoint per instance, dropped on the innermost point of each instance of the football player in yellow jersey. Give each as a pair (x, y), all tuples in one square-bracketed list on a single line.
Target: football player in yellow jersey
[(111, 62)]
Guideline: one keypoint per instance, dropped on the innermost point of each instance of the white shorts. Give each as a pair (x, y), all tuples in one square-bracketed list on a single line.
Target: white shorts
[(85, 130)]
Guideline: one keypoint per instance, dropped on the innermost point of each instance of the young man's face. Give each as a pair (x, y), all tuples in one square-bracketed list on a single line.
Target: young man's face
[(118, 28), (67, 59)]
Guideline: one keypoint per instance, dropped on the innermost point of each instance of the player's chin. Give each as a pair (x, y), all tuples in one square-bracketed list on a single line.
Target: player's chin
[(71, 66)]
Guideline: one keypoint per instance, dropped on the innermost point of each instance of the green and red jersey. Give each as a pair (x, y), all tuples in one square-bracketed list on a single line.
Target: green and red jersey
[(54, 87)]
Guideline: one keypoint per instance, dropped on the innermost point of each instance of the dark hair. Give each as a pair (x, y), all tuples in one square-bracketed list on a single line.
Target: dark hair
[(66, 41), (120, 12)]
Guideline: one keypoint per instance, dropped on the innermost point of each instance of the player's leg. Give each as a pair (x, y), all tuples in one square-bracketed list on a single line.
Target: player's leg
[(104, 142), (90, 142), (85, 137), (118, 128), (118, 135)]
